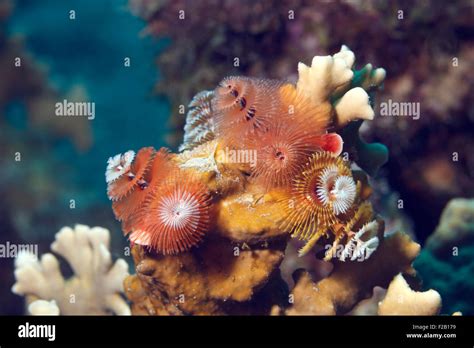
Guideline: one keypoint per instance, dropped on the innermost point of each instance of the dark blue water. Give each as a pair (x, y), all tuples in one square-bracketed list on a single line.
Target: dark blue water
[(89, 53)]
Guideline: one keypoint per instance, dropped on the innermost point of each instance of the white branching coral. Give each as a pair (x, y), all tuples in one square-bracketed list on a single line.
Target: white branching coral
[(374, 77), (118, 165), (362, 244), (401, 300), (42, 307), (352, 106), (330, 77), (347, 55), (326, 74), (94, 288)]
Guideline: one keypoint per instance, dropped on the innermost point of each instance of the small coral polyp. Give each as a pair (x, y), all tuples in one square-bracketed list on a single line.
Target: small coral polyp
[(199, 127), (118, 165), (165, 209), (336, 190), (165, 200), (280, 152), (313, 205), (157, 169), (175, 217), (129, 180), (245, 107)]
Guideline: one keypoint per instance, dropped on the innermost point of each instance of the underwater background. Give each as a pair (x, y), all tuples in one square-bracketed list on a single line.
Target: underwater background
[(59, 179)]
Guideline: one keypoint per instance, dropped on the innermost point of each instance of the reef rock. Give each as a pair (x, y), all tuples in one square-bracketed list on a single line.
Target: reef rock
[(401, 300), (349, 283), (217, 278), (456, 227)]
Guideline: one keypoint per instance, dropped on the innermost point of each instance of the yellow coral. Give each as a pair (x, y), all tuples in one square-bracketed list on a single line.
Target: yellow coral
[(251, 216)]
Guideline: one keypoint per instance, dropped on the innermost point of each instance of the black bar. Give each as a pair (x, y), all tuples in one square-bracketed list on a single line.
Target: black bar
[(242, 330)]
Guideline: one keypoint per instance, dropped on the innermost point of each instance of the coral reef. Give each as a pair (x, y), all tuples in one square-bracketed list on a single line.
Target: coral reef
[(209, 226), (401, 300), (428, 47), (446, 263), (218, 278), (42, 307), (455, 228), (452, 277), (348, 283), (96, 283), (442, 89)]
